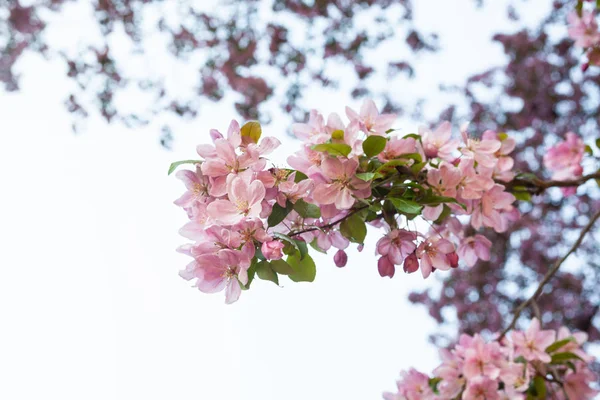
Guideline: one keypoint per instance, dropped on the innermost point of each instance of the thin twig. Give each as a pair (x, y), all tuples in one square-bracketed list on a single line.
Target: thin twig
[(331, 225), (549, 275)]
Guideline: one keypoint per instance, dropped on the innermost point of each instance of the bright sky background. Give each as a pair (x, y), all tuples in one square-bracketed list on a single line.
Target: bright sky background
[(91, 305)]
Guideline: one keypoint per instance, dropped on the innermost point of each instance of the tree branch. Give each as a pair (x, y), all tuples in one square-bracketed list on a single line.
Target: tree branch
[(549, 275), (331, 225), (537, 186)]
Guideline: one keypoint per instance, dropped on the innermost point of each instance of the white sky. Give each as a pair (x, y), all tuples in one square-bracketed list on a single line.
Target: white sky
[(91, 306)]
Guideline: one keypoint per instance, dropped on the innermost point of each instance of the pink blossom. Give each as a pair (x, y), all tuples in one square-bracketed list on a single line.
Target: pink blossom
[(438, 143), (272, 250), (584, 29), (481, 388), (576, 385), (432, 253), (397, 245), (369, 119), (491, 210), (224, 270), (565, 154), (396, 147), (292, 191), (250, 230), (340, 258), (313, 131), (411, 264), (197, 187), (503, 169), (472, 184), (473, 248), (340, 184), (481, 359), (244, 200), (482, 151), (532, 343), (414, 385)]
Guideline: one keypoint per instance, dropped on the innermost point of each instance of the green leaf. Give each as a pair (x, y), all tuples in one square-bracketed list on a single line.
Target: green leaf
[(598, 143), (335, 149), (304, 268), (558, 358), (391, 166), (433, 384), (307, 210), (413, 156), (374, 145), (445, 213), (406, 206), (540, 387), (368, 176), (279, 213), (302, 247), (523, 196), (252, 130), (589, 150), (502, 136), (526, 176), (176, 164), (251, 273), (433, 200), (266, 273), (338, 134), (417, 167), (281, 267), (415, 136), (354, 229), (300, 176), (560, 343)]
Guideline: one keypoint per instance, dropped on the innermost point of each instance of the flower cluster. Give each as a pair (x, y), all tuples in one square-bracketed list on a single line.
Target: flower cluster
[(564, 160), (535, 364), (583, 29), (245, 215)]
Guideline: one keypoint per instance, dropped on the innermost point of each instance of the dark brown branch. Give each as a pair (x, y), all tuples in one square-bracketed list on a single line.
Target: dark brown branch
[(537, 186), (549, 275), (331, 225)]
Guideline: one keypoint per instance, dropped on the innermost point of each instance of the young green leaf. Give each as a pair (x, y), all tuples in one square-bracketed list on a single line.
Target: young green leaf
[(338, 134), (354, 229), (302, 247), (304, 269), (279, 213), (307, 210), (560, 343), (368, 176), (252, 130), (176, 164), (374, 145), (281, 267), (335, 149), (406, 206), (266, 273)]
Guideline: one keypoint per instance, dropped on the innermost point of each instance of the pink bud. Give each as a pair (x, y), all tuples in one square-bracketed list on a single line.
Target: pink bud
[(452, 259), (411, 264), (386, 267), (340, 258), (272, 250), (360, 247)]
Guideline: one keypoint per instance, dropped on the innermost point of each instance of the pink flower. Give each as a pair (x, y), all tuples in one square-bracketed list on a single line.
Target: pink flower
[(339, 184), (397, 147), (492, 209), (432, 253), (369, 119), (472, 184), (397, 245), (482, 151), (577, 385), (340, 258), (313, 131), (565, 154), (414, 385), (251, 230), (292, 191), (481, 359), (473, 248), (532, 343), (224, 270), (272, 250), (438, 143), (583, 30), (244, 200), (505, 163), (481, 388), (197, 187)]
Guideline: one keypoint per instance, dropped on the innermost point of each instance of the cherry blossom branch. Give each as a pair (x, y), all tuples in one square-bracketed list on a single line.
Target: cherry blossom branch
[(537, 186), (331, 225), (549, 275)]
